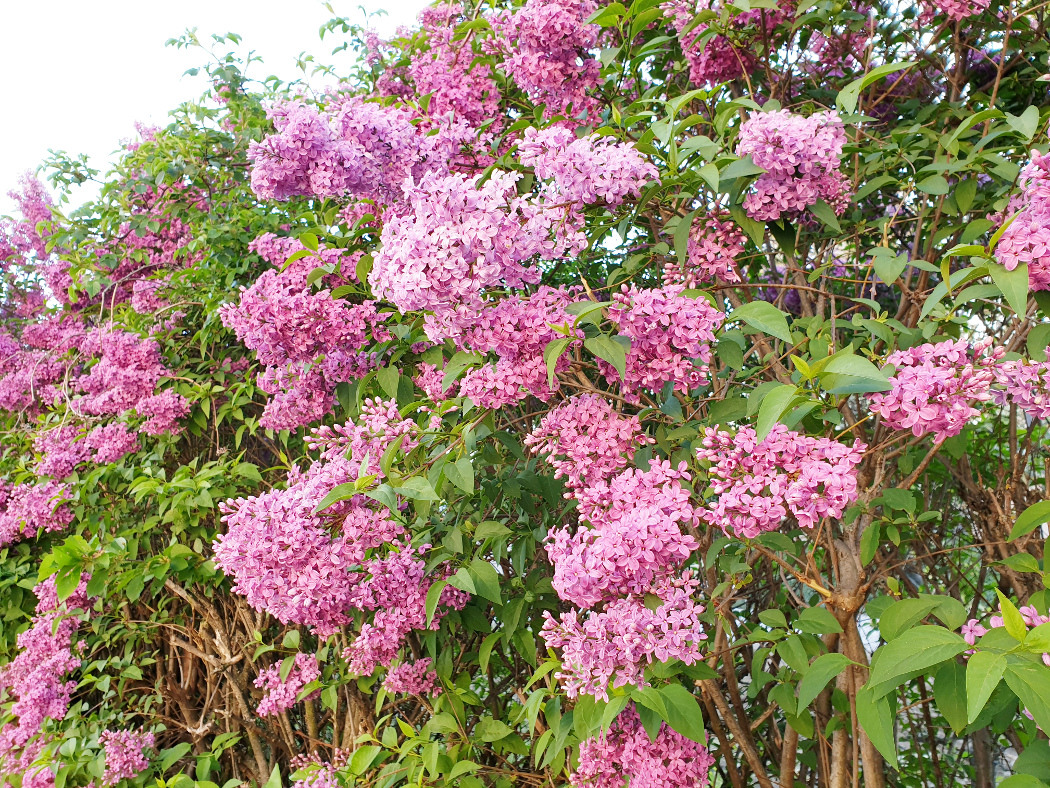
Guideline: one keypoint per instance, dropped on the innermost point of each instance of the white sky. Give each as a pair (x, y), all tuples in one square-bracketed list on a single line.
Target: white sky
[(77, 75)]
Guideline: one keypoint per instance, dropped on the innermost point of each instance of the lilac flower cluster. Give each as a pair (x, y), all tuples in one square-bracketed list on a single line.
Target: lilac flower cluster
[(412, 678), (308, 340), (124, 757), (546, 48), (626, 755), (34, 679), (281, 695), (711, 253), (1027, 239), (515, 329), (27, 510), (1025, 384), (629, 545), (757, 484), (670, 335), (586, 440), (935, 387), (801, 159), (956, 10)]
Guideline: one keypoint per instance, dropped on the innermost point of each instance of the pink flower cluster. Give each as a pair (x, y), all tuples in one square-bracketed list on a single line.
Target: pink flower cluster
[(670, 335), (1025, 384), (317, 568), (515, 329), (935, 387), (801, 159), (308, 340), (616, 644), (626, 755), (34, 680), (585, 169), (628, 546), (586, 440), (459, 238), (27, 510), (1027, 239), (412, 678), (124, 757), (19, 239), (281, 695), (711, 253), (757, 484), (956, 10), (546, 48)]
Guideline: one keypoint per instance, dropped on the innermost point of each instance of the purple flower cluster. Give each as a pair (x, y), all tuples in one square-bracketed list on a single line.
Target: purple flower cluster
[(546, 48), (935, 387), (625, 754), (1027, 239), (124, 757), (670, 335), (1025, 384), (801, 159), (281, 695), (757, 484), (711, 253), (412, 678), (956, 10)]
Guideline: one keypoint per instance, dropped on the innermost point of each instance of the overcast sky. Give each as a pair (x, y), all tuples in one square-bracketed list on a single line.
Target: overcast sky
[(78, 75)]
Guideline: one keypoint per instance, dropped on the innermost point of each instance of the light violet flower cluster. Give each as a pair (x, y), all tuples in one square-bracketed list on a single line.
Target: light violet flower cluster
[(626, 755), (714, 244), (586, 440), (27, 510), (936, 386), (412, 678), (124, 756), (546, 48), (629, 547), (35, 679), (515, 329), (670, 335), (801, 159), (1025, 384), (1027, 239), (281, 695), (758, 484)]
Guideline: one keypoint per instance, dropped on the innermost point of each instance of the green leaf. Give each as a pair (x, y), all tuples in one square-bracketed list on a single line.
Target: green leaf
[(1022, 780), (949, 691), (433, 599), (817, 621), (309, 240), (363, 757), (934, 184), (773, 406), (984, 671), (824, 212), (741, 168), (1026, 123), (461, 474), (551, 354), (875, 716), (172, 754), (291, 639), (888, 266), (904, 614), (486, 580), (683, 712), (765, 317), (1031, 518), (869, 543), (823, 669), (1030, 682), (275, 775), (418, 488), (455, 366), (1013, 621), (489, 729), (609, 350), (911, 653), (849, 96), (1014, 285), (858, 367), (341, 492), (388, 378)]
